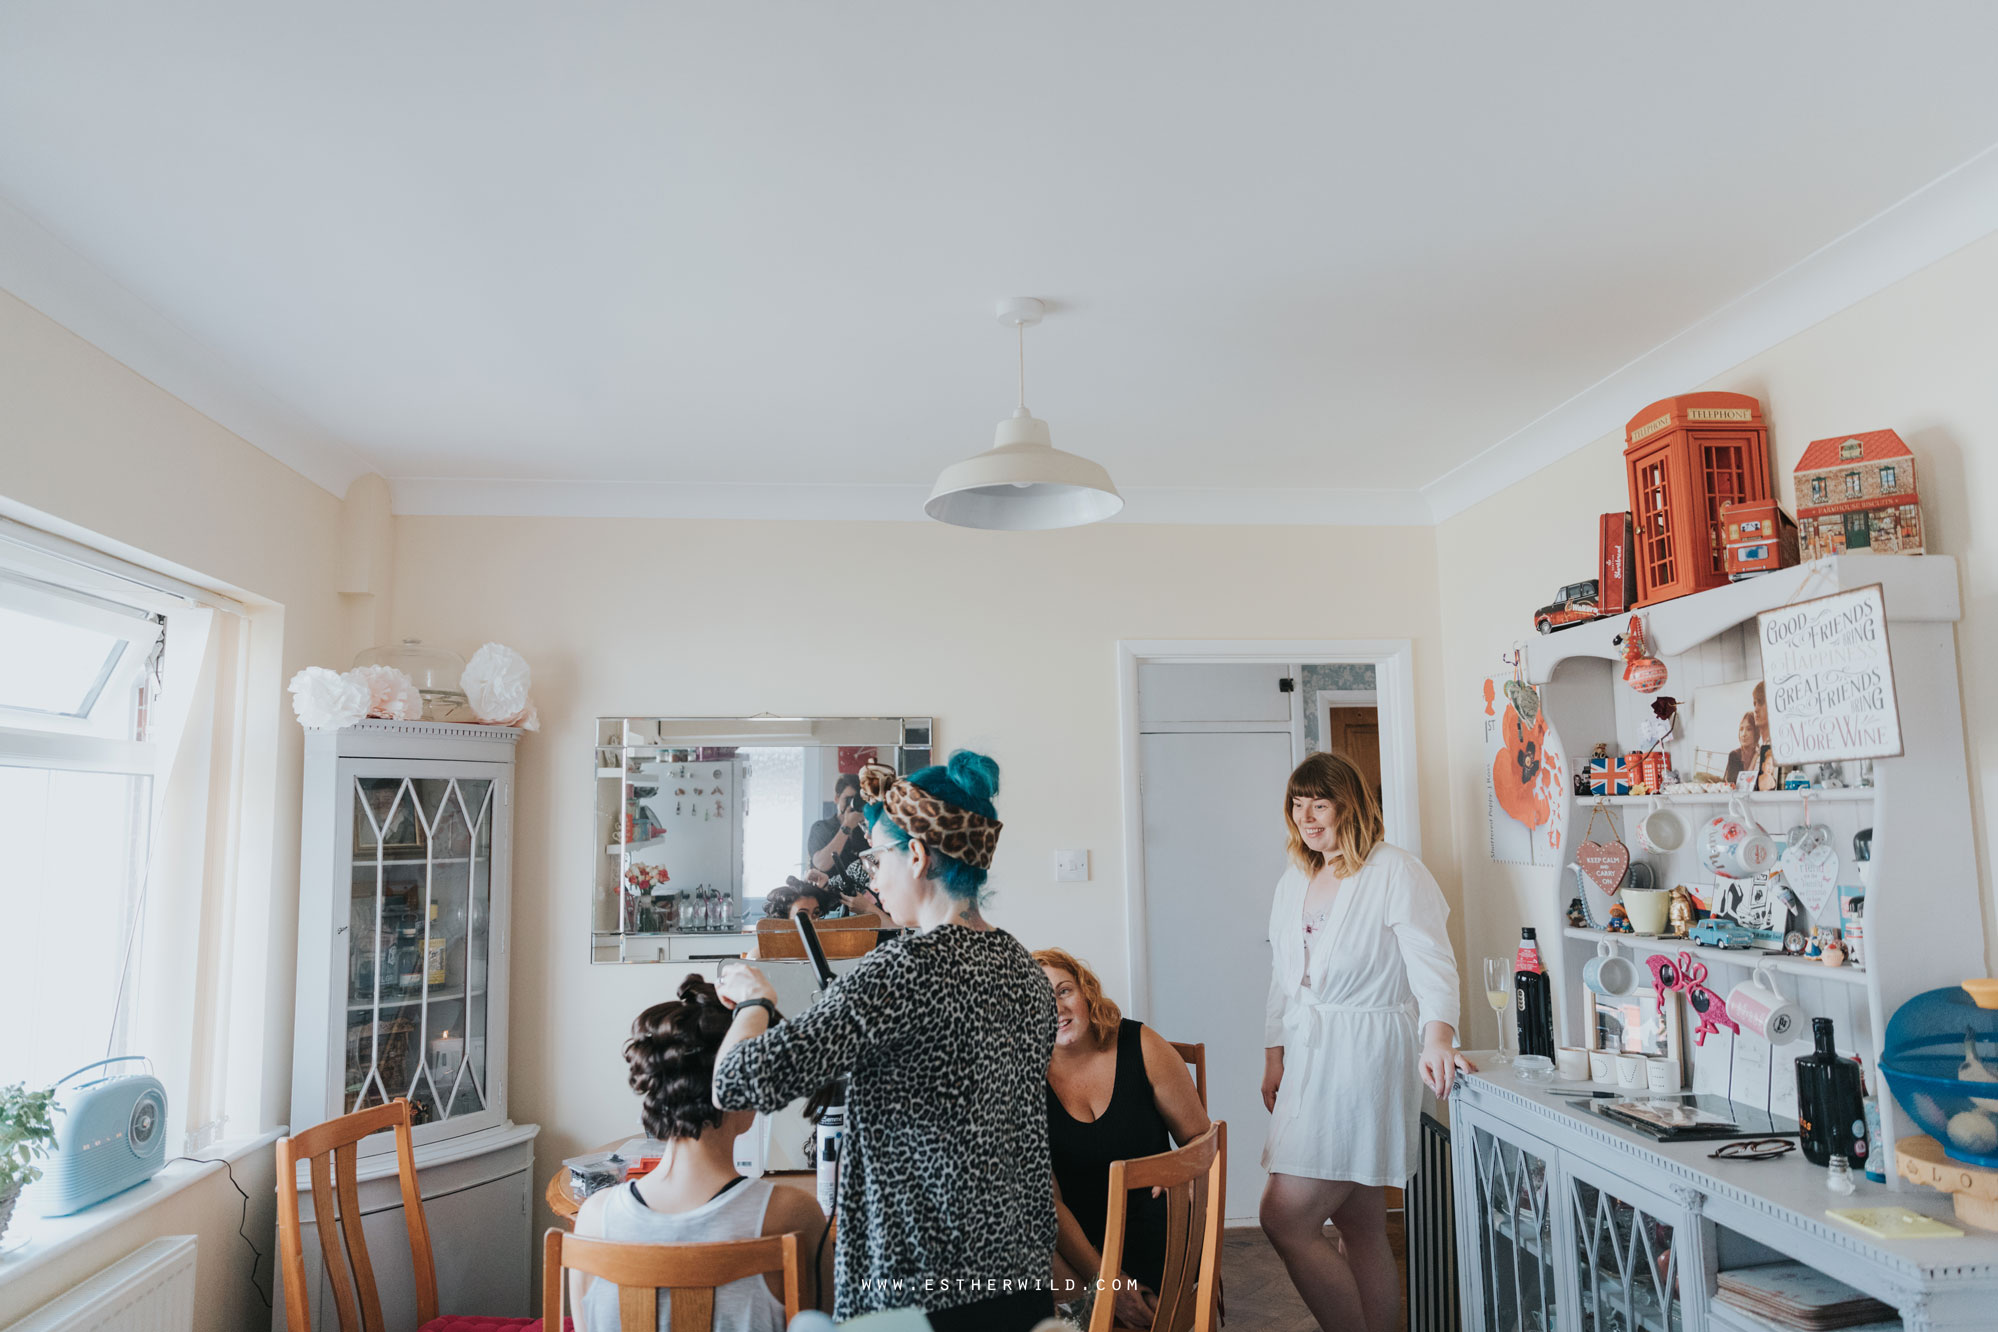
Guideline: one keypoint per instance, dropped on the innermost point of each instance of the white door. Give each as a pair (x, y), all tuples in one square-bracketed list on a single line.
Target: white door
[(1212, 808)]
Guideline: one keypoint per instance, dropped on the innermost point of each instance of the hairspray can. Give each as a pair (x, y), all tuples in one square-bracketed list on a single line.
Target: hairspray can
[(832, 1132)]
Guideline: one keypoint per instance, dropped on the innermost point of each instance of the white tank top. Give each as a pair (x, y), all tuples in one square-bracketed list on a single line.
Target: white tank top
[(740, 1306)]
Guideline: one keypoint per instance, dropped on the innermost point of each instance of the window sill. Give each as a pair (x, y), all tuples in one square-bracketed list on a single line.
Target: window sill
[(49, 1238)]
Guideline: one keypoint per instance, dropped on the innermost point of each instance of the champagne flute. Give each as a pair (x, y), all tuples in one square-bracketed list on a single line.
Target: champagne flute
[(1498, 993)]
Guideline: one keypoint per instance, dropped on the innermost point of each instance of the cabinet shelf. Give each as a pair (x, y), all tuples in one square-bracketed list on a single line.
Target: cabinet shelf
[(616, 847), (1746, 958), (1831, 795), (405, 1001), (415, 861)]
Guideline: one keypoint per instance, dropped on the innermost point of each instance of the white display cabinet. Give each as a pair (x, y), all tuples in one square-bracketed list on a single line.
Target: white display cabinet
[(1565, 1222), (405, 892), (1924, 924)]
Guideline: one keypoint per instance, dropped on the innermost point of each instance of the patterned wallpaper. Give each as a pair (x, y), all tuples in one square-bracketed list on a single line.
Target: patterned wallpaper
[(1342, 676)]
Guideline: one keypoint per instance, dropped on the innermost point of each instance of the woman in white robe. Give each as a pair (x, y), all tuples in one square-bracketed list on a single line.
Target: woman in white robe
[(1362, 1014)]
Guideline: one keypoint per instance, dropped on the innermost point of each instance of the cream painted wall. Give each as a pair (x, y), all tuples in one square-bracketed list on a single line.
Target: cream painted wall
[(89, 447), (1007, 639), (1916, 358)]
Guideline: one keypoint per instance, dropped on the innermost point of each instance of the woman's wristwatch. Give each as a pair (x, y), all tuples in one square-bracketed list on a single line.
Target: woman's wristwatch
[(764, 1004)]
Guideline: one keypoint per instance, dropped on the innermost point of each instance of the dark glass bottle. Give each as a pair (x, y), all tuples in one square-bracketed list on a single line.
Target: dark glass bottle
[(1830, 1103), (1533, 998)]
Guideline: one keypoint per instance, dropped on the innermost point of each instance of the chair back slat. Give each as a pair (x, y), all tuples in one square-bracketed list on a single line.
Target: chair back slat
[(347, 1190), (332, 1244), (693, 1309), (1194, 1181), (689, 1273), (417, 1225), (332, 1157), (1195, 1053)]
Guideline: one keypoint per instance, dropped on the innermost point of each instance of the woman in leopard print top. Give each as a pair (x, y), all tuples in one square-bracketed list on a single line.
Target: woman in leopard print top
[(944, 1035)]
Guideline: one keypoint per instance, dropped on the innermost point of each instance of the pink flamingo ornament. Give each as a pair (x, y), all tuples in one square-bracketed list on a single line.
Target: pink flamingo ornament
[(1689, 977)]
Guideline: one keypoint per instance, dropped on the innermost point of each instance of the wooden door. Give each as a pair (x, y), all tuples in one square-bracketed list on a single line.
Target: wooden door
[(1356, 734)]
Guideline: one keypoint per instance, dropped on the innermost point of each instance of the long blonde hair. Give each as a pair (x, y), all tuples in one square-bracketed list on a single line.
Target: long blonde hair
[(1357, 827)]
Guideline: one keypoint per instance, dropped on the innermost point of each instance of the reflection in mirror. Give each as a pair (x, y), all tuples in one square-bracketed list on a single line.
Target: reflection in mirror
[(708, 825)]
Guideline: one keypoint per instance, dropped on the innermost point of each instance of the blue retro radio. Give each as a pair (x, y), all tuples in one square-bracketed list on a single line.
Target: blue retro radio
[(110, 1135)]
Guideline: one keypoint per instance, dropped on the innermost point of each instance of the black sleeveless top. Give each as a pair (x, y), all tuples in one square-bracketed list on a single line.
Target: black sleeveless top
[(1130, 1126)]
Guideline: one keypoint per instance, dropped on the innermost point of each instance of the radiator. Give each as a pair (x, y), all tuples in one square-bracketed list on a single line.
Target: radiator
[(1430, 1215), (148, 1290)]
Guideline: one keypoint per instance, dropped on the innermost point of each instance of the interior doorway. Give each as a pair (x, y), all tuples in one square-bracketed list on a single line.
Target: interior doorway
[(1211, 732)]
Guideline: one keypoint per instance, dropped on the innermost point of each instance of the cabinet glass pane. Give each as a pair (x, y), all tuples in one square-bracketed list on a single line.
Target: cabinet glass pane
[(1629, 1271), (419, 923), (1515, 1236)]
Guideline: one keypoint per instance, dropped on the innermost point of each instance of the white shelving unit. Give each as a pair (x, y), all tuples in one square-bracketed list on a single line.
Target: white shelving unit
[(1525, 1158), (404, 913)]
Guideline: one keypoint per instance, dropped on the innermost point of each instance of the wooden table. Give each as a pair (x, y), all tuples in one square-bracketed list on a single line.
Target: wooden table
[(564, 1203)]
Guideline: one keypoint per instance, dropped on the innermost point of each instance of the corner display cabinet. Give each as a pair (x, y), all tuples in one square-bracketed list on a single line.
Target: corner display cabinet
[(404, 896)]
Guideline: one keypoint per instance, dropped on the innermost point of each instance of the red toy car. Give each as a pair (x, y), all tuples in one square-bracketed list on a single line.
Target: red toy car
[(1574, 604)]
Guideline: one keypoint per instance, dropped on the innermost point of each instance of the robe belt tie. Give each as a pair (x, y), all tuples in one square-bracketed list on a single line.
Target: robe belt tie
[(1308, 1024)]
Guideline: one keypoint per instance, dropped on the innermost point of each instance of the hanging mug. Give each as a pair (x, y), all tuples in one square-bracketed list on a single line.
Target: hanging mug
[(1762, 1010), (1661, 831), (1733, 847), (1609, 973)]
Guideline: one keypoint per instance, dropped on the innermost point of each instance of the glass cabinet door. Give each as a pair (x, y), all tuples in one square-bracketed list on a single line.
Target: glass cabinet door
[(420, 932), (1626, 1261), (1515, 1244)]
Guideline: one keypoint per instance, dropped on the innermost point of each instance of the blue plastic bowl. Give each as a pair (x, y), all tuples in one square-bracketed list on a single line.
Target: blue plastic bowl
[(1920, 1060)]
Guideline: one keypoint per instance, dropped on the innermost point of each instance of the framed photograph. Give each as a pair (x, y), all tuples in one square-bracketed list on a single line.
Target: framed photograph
[(1637, 1023), (1730, 732)]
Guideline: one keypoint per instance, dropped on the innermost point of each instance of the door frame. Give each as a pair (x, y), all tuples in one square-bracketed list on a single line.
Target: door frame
[(1394, 688)]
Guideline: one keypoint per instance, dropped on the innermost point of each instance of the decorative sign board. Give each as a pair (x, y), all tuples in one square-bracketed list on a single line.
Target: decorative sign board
[(1829, 679), (1525, 776)]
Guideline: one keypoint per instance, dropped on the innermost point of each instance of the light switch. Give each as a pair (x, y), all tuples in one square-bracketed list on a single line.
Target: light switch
[(1071, 867)]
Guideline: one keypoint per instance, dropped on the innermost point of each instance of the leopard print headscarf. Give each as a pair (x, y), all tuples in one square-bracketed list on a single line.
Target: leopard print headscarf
[(961, 834)]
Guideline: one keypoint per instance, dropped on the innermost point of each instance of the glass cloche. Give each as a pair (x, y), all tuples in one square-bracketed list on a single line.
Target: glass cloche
[(437, 673), (1941, 1060)]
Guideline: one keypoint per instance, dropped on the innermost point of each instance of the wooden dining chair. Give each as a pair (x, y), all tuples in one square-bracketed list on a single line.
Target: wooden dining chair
[(689, 1273), (1195, 1180), (330, 1151), (1195, 1053)]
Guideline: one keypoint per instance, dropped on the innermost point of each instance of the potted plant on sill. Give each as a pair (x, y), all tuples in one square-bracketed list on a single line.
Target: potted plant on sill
[(27, 1132)]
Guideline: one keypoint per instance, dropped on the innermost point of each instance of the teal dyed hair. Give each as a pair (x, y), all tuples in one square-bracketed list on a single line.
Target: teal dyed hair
[(968, 781)]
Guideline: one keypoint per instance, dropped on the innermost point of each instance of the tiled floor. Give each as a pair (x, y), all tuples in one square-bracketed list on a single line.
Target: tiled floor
[(1259, 1294)]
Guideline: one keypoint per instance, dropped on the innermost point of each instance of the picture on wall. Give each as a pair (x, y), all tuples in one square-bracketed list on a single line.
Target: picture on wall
[(1731, 737)]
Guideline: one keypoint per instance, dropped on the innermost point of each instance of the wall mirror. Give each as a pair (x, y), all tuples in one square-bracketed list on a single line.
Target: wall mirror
[(698, 819)]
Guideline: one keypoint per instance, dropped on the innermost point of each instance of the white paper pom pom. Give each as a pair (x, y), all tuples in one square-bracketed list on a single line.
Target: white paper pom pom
[(327, 700), (391, 693), (496, 680)]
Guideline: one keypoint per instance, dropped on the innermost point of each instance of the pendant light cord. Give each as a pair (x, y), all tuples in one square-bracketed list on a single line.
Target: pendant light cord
[(1020, 327)]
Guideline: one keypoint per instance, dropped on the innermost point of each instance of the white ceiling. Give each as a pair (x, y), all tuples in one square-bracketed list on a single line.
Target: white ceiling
[(712, 258)]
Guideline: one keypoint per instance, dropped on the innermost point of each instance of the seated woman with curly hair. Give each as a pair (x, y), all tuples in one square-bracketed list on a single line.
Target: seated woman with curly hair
[(1116, 1091), (694, 1195)]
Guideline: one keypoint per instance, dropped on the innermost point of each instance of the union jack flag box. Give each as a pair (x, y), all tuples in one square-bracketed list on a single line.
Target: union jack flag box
[(1609, 776)]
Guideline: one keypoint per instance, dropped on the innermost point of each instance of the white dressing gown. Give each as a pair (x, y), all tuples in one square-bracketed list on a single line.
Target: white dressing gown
[(1380, 971)]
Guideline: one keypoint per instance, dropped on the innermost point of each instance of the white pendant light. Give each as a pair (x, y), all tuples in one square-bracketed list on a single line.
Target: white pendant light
[(1023, 483)]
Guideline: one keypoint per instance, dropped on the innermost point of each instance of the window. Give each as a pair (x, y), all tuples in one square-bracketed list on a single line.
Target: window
[(1817, 490), (1852, 490), (1850, 450), (128, 836), (1887, 478), (76, 774)]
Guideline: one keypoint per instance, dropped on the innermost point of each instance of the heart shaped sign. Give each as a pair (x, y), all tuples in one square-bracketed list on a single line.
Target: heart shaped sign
[(1604, 864), (1812, 873)]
